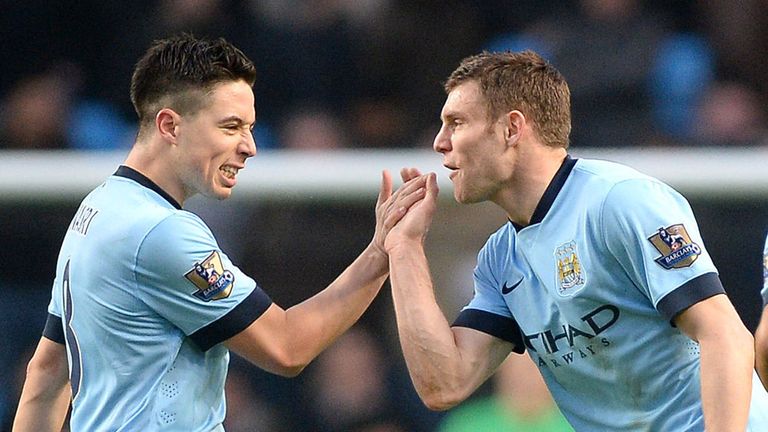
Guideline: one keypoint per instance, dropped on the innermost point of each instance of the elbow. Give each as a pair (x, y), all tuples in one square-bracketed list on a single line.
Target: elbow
[(439, 404), (441, 400), (436, 403), (280, 368), (747, 339), (289, 365), (46, 366), (282, 359), (740, 340), (289, 371)]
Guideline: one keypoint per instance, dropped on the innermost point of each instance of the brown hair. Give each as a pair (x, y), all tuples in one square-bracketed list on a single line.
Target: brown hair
[(180, 71), (521, 81)]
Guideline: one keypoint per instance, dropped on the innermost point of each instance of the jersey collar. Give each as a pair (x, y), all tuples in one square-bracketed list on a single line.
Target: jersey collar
[(130, 173), (545, 203)]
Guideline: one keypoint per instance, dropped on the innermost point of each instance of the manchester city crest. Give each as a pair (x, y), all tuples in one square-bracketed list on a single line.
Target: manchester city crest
[(677, 249), (212, 281), (570, 273)]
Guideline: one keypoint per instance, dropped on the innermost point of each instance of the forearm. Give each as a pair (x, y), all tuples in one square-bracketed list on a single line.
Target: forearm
[(726, 381), (46, 394), (318, 321), (41, 412), (430, 349)]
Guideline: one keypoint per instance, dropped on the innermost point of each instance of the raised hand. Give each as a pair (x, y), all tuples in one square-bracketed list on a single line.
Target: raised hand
[(391, 207), (415, 223)]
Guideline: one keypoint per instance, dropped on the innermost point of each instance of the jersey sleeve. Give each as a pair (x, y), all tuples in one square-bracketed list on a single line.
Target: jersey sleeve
[(487, 311), (651, 231), (182, 274), (764, 291), (54, 329)]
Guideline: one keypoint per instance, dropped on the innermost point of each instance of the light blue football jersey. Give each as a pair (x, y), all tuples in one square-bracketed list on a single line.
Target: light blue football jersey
[(590, 289), (143, 296)]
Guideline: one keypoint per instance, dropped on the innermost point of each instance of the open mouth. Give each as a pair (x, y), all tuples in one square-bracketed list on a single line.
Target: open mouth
[(453, 170), (229, 171)]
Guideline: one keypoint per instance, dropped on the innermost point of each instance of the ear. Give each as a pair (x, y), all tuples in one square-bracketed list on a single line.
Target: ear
[(166, 123), (515, 123)]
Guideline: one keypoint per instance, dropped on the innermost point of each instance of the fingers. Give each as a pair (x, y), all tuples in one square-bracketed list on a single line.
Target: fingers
[(386, 187), (408, 174), (393, 205), (411, 185), (393, 217), (432, 189), (404, 202)]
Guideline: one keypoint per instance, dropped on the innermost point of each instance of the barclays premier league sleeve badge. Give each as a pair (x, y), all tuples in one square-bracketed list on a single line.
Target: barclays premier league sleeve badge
[(212, 281), (677, 249)]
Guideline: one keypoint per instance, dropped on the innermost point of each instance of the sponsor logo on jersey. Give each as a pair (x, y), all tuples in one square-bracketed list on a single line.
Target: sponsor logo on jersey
[(212, 281), (675, 245), (570, 273), (568, 342)]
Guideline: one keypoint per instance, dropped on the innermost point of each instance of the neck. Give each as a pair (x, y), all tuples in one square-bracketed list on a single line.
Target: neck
[(153, 165), (533, 171)]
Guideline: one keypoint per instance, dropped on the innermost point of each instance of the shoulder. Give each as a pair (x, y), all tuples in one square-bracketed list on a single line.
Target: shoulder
[(608, 173), (502, 239), (178, 226), (174, 244), (619, 185)]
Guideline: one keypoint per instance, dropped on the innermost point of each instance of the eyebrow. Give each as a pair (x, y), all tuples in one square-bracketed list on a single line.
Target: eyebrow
[(450, 115), (232, 118)]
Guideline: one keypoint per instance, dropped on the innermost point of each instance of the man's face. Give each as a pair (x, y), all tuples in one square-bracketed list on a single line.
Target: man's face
[(214, 143), (471, 145)]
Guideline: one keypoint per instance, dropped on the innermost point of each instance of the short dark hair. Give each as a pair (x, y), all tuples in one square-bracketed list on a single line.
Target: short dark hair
[(521, 81), (179, 71)]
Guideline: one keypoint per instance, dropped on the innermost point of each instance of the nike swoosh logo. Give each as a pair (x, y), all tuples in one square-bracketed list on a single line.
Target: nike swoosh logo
[(508, 289)]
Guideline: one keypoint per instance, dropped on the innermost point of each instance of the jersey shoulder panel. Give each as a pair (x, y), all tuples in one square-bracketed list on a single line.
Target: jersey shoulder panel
[(183, 274)]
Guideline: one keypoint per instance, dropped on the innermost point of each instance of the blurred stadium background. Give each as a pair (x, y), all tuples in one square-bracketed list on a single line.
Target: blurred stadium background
[(346, 88)]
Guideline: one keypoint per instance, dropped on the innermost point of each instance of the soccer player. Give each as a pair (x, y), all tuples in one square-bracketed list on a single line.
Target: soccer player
[(600, 274), (761, 334), (145, 305)]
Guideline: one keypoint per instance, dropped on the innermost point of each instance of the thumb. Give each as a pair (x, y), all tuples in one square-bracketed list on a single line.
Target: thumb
[(432, 189), (385, 191)]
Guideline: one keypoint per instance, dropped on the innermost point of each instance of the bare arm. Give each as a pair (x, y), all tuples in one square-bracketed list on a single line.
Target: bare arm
[(446, 364), (761, 348), (285, 341), (45, 398), (727, 361)]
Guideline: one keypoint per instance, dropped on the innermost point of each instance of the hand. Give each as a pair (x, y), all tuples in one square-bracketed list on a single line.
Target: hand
[(391, 207), (414, 224)]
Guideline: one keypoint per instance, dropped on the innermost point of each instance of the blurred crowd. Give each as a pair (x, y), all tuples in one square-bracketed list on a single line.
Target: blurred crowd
[(368, 73), (363, 74)]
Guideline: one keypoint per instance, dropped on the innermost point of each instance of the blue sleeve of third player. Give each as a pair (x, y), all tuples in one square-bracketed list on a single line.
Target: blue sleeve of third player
[(765, 273)]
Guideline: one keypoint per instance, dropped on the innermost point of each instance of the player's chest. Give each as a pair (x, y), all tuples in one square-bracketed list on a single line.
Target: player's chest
[(566, 261), (561, 301)]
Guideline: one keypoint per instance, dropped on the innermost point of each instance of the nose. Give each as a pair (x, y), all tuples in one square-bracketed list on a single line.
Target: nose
[(248, 145), (442, 141)]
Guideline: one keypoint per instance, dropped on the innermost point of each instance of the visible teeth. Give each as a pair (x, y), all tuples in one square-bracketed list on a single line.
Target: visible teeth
[(229, 172)]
